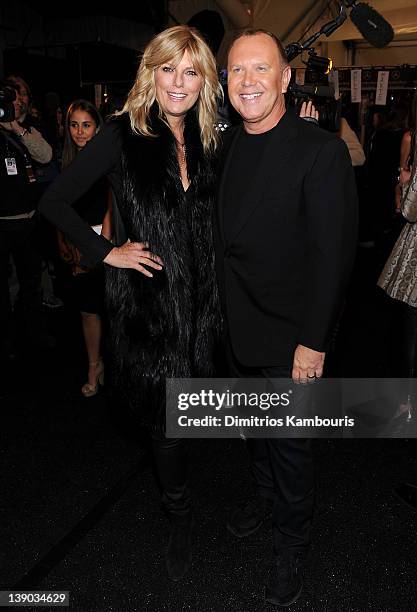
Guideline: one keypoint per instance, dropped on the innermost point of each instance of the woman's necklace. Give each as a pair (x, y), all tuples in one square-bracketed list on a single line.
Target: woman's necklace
[(182, 160)]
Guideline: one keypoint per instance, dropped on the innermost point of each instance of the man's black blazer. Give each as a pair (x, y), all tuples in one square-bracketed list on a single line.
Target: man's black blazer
[(283, 273)]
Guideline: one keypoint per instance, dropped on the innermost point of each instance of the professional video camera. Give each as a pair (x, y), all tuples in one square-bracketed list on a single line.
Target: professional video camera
[(7, 95), (317, 89), (373, 27), (328, 107)]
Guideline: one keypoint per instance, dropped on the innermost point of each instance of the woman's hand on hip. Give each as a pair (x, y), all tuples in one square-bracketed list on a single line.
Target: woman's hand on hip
[(134, 255)]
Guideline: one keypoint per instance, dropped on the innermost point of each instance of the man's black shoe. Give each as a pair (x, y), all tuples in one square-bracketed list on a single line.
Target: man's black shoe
[(178, 556), (249, 517), (285, 581)]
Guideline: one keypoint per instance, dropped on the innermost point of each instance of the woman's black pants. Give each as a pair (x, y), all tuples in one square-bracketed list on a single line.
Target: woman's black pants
[(171, 462)]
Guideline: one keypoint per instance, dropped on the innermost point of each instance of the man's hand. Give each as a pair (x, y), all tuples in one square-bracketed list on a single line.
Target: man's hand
[(309, 112), (307, 365), (134, 255)]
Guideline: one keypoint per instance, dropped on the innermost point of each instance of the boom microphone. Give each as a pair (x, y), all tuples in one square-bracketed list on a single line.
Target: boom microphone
[(373, 27)]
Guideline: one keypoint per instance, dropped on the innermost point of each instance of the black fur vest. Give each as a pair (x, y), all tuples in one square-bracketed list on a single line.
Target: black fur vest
[(165, 326)]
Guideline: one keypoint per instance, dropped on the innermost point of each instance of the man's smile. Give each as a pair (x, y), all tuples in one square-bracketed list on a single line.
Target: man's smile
[(251, 96)]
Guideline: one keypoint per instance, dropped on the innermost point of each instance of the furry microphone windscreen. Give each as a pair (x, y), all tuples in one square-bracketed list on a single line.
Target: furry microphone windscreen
[(373, 27)]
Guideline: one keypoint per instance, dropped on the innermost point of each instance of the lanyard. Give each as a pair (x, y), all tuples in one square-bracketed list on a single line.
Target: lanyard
[(28, 164)]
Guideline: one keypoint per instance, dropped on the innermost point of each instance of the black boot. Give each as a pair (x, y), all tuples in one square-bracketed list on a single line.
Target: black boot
[(178, 555), (171, 463)]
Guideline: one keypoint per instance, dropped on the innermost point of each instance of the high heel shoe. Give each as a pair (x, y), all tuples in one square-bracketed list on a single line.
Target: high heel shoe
[(89, 390)]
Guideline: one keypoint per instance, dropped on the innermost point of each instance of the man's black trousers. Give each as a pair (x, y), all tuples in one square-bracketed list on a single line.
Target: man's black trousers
[(283, 473)]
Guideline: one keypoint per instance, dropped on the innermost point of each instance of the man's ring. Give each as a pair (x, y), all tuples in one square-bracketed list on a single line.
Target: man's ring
[(314, 376)]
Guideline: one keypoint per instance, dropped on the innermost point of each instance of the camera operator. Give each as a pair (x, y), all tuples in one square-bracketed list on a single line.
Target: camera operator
[(23, 125), (20, 146)]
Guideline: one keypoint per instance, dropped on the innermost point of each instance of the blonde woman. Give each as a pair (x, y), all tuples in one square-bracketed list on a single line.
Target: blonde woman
[(162, 301)]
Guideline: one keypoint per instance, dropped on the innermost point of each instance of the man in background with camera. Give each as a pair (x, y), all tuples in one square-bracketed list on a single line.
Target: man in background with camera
[(20, 146), (285, 242)]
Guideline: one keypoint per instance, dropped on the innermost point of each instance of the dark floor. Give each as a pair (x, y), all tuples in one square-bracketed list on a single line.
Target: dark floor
[(79, 509)]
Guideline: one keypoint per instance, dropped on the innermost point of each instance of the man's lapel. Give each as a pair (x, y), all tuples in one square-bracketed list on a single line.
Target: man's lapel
[(276, 150)]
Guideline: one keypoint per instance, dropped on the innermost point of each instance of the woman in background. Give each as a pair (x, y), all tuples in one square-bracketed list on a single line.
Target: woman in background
[(399, 276), (87, 284), (399, 280)]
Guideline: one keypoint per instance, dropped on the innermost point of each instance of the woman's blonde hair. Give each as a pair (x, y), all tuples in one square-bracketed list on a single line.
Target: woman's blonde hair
[(169, 46)]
